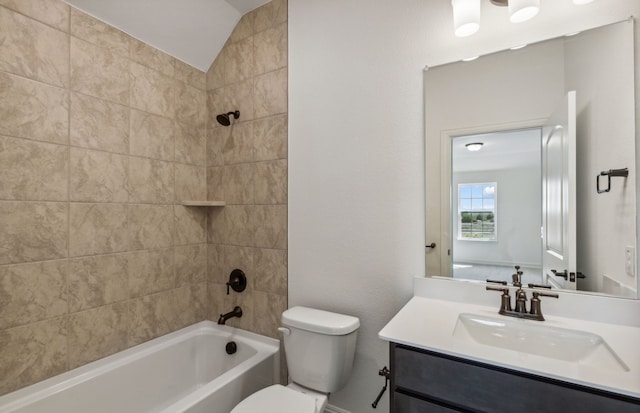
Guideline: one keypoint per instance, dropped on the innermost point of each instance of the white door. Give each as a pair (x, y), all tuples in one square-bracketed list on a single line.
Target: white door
[(559, 196)]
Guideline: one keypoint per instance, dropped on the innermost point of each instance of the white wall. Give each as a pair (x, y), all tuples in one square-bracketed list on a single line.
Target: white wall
[(356, 160)]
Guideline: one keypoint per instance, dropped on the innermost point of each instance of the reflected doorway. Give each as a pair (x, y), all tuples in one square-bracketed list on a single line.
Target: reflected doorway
[(496, 205)]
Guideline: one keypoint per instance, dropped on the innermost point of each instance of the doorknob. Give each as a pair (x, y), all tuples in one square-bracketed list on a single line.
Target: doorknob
[(432, 245), (562, 274)]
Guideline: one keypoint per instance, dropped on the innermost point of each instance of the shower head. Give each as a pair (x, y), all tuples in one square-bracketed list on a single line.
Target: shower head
[(224, 118)]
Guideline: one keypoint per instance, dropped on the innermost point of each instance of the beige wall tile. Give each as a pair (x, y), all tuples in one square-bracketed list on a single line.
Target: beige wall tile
[(151, 57), (270, 94), (239, 96), (33, 110), (52, 12), (215, 74), (270, 14), (99, 72), (191, 264), (215, 264), (215, 184), (32, 49), (239, 147), (191, 225), (151, 271), (191, 105), (152, 136), (32, 231), (150, 316), (99, 124), (98, 176), (221, 303), (271, 271), (243, 29), (189, 303), (33, 170), (240, 225), (191, 182), (217, 226), (216, 140), (190, 144), (216, 104), (242, 258), (32, 353), (32, 292), (238, 181), (270, 49), (270, 183), (150, 226), (96, 333), (97, 229), (270, 223), (151, 91), (268, 309), (150, 181), (270, 137), (239, 63), (98, 280), (190, 75), (101, 34)]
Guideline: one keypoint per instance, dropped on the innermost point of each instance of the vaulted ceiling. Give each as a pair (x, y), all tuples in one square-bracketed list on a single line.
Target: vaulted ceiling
[(193, 31)]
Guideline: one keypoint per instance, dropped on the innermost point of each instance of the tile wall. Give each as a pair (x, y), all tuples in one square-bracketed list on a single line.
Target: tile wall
[(101, 137), (247, 168)]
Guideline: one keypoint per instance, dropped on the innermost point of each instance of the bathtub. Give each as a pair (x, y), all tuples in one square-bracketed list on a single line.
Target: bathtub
[(184, 371)]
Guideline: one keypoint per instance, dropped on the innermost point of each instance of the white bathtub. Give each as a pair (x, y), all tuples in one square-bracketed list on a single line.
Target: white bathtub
[(184, 371)]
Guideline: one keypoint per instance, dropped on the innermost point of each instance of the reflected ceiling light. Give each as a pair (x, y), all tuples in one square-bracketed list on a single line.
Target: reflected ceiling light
[(581, 2), (466, 17), (470, 59), (522, 46), (523, 10), (474, 147)]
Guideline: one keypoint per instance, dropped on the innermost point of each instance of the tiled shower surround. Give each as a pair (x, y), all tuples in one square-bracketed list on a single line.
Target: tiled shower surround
[(101, 138)]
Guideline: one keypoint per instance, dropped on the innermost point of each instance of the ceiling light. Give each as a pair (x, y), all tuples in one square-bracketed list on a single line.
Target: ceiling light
[(466, 17), (474, 147), (581, 2), (523, 10)]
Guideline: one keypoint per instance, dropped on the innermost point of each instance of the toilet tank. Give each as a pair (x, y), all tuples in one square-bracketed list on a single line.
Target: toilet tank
[(319, 346)]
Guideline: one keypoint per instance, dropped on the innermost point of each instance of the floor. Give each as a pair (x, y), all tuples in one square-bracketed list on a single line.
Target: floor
[(483, 272)]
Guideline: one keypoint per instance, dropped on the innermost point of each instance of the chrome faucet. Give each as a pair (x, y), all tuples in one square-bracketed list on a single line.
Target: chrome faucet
[(236, 312)]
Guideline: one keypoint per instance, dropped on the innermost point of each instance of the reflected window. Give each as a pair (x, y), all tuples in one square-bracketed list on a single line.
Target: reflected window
[(477, 211)]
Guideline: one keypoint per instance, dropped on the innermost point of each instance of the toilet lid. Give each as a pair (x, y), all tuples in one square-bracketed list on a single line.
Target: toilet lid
[(276, 399)]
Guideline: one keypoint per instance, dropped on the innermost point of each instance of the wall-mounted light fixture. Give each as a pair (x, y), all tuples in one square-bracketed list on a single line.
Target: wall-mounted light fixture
[(474, 146), (466, 13)]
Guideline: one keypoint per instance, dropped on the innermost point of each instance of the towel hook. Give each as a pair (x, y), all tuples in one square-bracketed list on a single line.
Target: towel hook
[(624, 172)]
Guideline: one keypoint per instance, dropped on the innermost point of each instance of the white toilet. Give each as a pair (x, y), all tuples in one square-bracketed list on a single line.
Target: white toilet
[(319, 346)]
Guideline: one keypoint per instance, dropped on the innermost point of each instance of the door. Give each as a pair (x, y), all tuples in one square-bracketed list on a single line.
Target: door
[(559, 196)]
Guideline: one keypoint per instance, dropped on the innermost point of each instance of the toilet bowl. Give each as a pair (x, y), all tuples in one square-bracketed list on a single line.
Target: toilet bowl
[(319, 346), (281, 399)]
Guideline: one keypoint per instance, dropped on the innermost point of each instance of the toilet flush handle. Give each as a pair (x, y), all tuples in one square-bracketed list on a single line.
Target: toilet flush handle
[(285, 331)]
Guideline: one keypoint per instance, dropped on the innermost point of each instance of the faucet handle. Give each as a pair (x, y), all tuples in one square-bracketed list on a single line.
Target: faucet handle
[(497, 281), (505, 303), (535, 303)]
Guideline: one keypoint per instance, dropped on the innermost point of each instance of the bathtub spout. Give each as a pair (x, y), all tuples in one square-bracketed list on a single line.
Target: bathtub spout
[(236, 312)]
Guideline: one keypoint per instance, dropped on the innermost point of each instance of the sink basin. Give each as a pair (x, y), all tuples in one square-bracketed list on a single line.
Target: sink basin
[(534, 337)]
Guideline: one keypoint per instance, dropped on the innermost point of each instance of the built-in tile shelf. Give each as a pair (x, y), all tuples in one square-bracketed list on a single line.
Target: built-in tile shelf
[(204, 203)]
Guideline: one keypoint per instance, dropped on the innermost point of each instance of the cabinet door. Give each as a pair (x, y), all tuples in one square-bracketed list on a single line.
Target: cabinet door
[(482, 387), (407, 404)]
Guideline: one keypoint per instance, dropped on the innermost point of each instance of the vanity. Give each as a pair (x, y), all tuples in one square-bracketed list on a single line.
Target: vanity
[(460, 355)]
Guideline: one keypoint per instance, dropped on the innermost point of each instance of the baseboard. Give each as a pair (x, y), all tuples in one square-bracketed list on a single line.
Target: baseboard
[(334, 409)]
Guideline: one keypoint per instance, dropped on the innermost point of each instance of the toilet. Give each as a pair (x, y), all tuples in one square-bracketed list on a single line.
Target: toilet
[(319, 346)]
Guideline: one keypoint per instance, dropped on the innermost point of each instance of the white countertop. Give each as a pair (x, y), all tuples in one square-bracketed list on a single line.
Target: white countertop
[(428, 323)]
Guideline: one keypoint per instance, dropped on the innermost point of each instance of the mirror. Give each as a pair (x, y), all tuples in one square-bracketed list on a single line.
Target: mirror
[(491, 209)]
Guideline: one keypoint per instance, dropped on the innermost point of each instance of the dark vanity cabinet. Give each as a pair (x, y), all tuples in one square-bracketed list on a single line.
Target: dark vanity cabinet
[(425, 381)]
